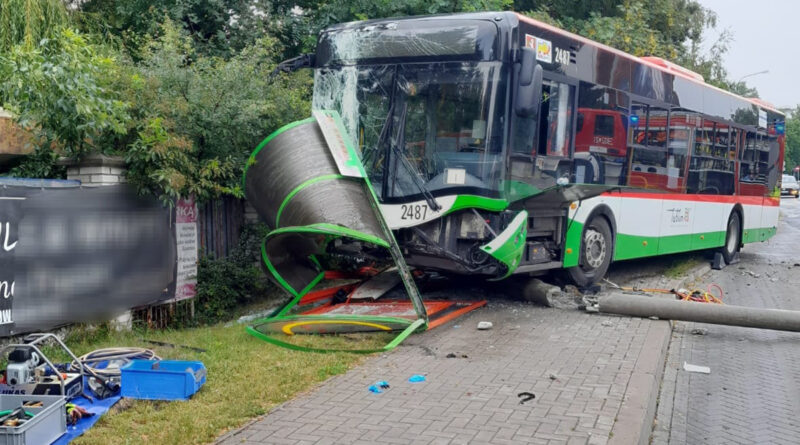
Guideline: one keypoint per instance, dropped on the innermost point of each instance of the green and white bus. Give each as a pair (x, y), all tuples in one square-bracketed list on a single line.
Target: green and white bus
[(501, 145)]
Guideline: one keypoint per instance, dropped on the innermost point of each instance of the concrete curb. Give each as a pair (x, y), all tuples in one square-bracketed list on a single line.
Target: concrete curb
[(634, 421)]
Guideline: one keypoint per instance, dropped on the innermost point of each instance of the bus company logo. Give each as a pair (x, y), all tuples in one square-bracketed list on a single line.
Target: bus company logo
[(679, 215), (544, 48)]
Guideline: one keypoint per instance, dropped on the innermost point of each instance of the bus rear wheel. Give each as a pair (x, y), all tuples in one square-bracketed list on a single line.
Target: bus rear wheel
[(732, 237), (595, 253)]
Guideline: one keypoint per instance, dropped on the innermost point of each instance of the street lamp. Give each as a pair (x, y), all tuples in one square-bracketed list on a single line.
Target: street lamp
[(752, 74)]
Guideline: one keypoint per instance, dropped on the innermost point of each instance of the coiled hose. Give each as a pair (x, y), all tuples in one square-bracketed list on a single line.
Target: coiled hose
[(125, 354)]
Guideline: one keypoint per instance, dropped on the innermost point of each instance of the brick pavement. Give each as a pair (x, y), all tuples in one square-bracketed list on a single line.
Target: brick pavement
[(752, 395), (474, 399)]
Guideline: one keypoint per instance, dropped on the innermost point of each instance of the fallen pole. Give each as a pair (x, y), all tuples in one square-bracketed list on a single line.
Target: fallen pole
[(642, 306)]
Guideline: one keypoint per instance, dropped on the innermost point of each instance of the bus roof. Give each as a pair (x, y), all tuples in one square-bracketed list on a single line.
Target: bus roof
[(649, 61)]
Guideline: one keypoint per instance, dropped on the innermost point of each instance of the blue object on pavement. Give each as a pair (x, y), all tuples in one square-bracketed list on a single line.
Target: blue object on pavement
[(379, 386), (416, 378)]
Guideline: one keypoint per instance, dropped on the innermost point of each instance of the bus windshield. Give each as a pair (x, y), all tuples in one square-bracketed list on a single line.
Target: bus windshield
[(422, 128)]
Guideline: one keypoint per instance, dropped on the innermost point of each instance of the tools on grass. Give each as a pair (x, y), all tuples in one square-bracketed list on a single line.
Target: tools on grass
[(76, 413)]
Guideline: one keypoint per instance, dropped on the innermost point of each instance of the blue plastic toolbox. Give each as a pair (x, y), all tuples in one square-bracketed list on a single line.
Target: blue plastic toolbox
[(162, 379)]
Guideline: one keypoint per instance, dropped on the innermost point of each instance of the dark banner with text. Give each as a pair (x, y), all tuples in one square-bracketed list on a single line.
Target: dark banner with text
[(79, 255)]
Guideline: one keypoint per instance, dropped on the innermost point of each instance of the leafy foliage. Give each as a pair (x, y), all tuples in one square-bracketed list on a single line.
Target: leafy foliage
[(60, 91), (198, 117), (792, 140), (225, 283), (27, 22), (216, 27)]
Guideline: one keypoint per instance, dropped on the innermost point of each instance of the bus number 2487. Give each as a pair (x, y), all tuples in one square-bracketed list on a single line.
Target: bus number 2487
[(413, 211)]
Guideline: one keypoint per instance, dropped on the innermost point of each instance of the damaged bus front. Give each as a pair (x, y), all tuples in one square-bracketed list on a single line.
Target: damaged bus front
[(427, 101)]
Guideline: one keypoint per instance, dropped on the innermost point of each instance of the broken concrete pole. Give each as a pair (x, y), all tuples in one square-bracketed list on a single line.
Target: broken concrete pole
[(641, 306), (545, 294)]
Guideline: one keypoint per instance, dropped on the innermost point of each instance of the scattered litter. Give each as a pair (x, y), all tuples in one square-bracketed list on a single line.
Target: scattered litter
[(607, 323), (553, 377), (796, 264), (416, 378), (484, 325), (378, 386), (774, 279), (525, 396), (653, 317), (454, 355), (696, 368), (456, 326), (699, 331), (753, 274)]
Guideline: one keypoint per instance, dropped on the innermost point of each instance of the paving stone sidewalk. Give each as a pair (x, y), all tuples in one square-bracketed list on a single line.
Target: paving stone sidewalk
[(578, 365)]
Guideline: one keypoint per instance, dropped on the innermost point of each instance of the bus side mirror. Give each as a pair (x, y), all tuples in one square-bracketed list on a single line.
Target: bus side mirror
[(529, 89)]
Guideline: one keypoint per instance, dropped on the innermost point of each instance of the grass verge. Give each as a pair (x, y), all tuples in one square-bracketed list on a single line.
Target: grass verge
[(246, 378), (681, 266)]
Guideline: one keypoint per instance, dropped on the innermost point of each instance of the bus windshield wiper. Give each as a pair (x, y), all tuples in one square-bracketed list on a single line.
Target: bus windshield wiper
[(401, 139)]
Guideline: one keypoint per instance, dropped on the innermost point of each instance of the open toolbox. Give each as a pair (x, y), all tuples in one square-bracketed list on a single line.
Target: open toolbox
[(44, 419)]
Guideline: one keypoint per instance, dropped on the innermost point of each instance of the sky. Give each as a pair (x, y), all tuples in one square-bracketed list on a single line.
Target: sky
[(765, 37)]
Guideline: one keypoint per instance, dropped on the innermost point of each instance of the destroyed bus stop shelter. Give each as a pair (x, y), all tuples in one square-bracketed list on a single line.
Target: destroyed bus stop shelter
[(307, 182)]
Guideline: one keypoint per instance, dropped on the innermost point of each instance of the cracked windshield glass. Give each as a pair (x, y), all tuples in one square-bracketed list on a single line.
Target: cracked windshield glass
[(422, 128)]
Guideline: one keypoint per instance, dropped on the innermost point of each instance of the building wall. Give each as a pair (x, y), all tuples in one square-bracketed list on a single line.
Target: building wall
[(13, 140)]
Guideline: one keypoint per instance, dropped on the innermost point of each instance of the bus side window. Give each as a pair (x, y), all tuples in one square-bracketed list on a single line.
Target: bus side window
[(601, 135), (649, 145), (747, 168), (678, 148)]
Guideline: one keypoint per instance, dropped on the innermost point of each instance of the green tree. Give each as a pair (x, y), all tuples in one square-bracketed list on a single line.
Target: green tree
[(216, 27), (197, 117), (26, 22), (60, 90), (792, 154)]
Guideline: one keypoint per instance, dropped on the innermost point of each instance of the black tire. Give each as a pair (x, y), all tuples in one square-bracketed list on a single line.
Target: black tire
[(597, 247), (733, 237)]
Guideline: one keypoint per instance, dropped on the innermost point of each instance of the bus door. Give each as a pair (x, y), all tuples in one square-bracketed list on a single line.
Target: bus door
[(542, 146), (711, 177), (752, 184)]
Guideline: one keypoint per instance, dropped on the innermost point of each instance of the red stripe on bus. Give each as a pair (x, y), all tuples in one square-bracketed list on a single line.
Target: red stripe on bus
[(726, 199)]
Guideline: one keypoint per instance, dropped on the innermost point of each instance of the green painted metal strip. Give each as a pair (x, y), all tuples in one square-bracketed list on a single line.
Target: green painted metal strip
[(509, 245), (323, 229), (572, 244), (478, 202), (251, 160), (331, 229), (758, 235), (412, 327), (635, 246), (287, 345), (420, 322), (297, 295), (301, 187)]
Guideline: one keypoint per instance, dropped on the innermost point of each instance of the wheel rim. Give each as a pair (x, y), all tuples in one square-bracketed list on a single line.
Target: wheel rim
[(594, 248), (733, 230)]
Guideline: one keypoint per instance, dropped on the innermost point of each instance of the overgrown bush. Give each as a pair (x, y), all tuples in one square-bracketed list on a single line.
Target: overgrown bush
[(225, 283)]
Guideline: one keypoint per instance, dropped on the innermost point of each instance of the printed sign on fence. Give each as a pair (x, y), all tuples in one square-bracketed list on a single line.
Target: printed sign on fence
[(186, 236)]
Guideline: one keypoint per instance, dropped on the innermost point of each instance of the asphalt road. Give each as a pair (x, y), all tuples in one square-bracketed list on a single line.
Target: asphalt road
[(752, 395)]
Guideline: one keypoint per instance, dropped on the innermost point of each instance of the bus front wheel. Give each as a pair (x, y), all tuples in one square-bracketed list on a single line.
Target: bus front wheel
[(595, 254), (732, 237)]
